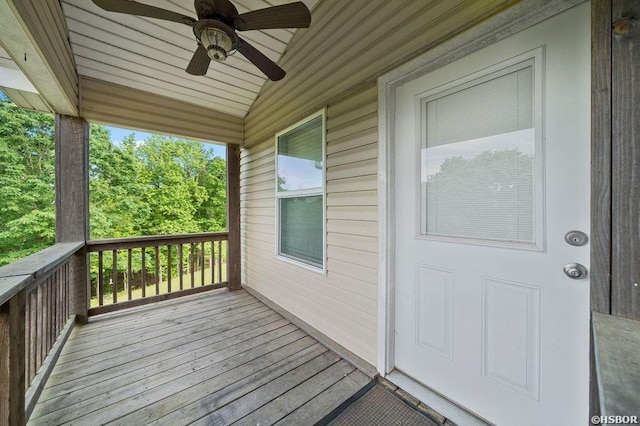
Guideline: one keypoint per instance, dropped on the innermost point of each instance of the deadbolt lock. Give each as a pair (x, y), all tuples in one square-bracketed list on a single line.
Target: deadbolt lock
[(576, 238), (575, 271)]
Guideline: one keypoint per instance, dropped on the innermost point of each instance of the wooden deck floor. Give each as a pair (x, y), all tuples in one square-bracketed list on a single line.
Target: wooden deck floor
[(212, 358)]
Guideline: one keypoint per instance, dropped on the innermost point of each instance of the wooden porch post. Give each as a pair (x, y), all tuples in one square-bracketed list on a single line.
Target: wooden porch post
[(72, 202), (234, 277)]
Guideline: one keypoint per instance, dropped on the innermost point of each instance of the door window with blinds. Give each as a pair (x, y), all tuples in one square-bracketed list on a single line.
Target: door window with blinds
[(480, 158), (300, 192)]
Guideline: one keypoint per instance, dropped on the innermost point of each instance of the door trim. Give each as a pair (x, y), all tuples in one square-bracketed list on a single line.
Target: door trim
[(515, 19)]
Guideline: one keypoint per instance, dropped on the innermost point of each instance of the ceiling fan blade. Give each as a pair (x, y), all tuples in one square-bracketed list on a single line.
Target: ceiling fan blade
[(199, 63), (134, 8), (226, 7), (206, 9), (292, 15), (266, 65)]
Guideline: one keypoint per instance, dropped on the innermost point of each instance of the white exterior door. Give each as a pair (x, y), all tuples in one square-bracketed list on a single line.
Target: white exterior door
[(491, 171)]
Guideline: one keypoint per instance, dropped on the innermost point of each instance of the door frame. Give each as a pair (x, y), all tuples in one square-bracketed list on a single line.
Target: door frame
[(515, 19)]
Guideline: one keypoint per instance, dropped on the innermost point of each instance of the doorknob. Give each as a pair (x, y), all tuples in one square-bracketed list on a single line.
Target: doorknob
[(575, 271)]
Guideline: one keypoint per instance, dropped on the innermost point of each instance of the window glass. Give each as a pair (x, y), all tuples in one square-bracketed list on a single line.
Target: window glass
[(300, 157), (477, 160), (301, 230), (300, 193)]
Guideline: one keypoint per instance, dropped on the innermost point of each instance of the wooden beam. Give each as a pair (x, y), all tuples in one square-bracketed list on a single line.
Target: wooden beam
[(625, 127), (72, 201), (233, 218), (601, 156), (600, 177), (12, 361)]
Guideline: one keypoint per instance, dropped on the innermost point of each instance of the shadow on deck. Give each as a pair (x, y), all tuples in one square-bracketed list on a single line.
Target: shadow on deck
[(211, 358)]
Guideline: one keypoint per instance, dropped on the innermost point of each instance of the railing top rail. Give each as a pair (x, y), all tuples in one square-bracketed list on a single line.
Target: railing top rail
[(154, 240), (18, 275)]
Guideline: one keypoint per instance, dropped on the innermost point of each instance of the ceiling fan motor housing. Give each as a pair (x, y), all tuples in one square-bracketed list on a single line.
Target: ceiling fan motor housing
[(216, 37)]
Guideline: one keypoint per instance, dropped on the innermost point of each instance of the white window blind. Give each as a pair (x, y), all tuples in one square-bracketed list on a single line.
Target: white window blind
[(478, 159)]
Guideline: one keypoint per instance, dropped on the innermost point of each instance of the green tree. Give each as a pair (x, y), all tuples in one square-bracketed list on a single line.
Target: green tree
[(212, 213), (171, 174), (161, 186), (27, 187), (116, 206)]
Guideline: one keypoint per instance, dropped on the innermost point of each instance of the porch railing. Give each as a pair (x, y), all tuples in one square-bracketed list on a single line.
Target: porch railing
[(128, 272), (36, 317)]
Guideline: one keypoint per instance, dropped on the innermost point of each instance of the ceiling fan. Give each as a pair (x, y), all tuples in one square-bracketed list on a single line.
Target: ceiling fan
[(216, 26)]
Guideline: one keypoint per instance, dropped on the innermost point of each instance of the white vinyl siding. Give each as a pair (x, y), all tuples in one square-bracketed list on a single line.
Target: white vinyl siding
[(342, 303)]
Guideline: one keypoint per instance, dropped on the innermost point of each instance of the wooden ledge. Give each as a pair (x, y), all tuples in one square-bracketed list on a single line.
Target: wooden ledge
[(617, 351)]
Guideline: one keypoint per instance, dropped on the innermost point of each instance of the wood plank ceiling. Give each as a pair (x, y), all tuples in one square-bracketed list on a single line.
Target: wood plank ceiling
[(151, 55)]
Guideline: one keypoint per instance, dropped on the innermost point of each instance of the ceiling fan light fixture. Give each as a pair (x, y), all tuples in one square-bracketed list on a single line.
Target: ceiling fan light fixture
[(216, 42), (217, 38)]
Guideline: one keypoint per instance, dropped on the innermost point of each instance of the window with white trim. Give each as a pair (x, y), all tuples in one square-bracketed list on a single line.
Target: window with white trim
[(300, 192)]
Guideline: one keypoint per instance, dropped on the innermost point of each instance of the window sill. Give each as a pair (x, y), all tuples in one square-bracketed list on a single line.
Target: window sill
[(317, 269)]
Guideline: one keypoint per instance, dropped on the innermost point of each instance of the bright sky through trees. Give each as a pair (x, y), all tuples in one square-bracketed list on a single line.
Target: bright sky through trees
[(118, 135)]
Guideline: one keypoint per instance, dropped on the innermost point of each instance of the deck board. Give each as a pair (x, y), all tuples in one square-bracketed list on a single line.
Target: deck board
[(329, 400), (212, 358)]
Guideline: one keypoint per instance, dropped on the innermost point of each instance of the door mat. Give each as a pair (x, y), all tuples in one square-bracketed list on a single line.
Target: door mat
[(379, 407)]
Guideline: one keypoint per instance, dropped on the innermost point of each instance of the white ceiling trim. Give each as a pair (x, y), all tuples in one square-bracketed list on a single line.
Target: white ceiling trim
[(18, 43)]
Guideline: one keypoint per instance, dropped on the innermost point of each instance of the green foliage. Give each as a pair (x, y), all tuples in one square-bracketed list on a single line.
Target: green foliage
[(27, 192), (160, 186)]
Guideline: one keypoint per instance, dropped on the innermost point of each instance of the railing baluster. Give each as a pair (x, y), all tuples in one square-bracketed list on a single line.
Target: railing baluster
[(219, 261), (211, 263), (180, 266), (99, 288), (45, 318), (63, 289), (27, 338), (191, 262), (56, 300), (12, 360), (50, 322), (46, 315), (33, 332), (144, 272), (156, 251), (129, 274), (66, 293), (201, 257), (169, 268), (114, 275), (39, 343)]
